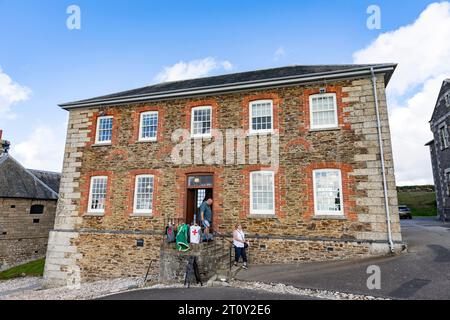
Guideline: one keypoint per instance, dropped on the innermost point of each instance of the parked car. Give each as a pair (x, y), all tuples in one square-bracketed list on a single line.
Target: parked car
[(404, 212)]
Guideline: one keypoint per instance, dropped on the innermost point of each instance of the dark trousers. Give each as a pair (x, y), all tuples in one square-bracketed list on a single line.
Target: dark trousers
[(240, 252)]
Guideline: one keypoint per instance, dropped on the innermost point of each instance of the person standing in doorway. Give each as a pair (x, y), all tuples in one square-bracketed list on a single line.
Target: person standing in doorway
[(206, 216), (240, 245)]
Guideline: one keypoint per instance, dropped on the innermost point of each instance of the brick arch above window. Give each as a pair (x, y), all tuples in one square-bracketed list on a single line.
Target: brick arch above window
[(276, 100), (305, 115), (348, 188)]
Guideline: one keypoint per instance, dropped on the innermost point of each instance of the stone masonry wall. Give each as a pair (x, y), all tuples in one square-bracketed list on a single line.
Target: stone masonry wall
[(24, 236), (76, 248)]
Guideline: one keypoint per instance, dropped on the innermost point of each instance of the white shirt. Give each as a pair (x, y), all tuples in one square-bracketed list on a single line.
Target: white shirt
[(239, 235), (195, 232)]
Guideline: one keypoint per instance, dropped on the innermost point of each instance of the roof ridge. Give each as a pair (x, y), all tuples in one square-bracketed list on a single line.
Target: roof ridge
[(34, 177), (45, 171)]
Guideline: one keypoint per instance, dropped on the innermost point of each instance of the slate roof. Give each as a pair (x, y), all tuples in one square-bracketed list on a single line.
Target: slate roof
[(222, 82), (18, 182)]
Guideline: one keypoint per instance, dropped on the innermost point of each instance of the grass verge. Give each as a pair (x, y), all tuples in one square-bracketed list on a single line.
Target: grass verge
[(421, 203), (31, 269)]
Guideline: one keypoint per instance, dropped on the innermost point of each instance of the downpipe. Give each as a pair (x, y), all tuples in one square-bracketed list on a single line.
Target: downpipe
[(383, 165)]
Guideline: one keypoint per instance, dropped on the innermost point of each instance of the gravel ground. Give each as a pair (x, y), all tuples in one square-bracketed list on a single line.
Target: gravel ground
[(31, 289), (285, 289)]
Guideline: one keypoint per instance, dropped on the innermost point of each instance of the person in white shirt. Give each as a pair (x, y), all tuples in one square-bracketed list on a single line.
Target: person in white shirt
[(240, 245)]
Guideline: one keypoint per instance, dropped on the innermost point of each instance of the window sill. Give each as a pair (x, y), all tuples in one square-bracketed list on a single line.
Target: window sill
[(262, 216), (97, 145), (262, 133), (93, 214), (146, 141), (325, 129), (141, 215), (207, 137), (329, 217)]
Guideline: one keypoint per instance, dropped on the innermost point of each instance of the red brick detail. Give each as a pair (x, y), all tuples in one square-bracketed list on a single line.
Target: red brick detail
[(202, 103), (130, 198), (348, 186), (305, 114), (218, 189), (85, 185), (298, 141), (277, 101), (137, 122), (93, 127), (245, 191)]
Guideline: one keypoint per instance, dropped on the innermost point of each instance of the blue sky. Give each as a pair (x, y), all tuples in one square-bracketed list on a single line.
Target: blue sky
[(126, 44)]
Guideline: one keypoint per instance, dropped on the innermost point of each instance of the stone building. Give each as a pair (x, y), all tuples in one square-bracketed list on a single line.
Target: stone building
[(440, 151), (327, 193), (27, 210)]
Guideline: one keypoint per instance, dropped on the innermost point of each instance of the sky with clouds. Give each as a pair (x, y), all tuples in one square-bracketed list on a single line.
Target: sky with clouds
[(127, 44)]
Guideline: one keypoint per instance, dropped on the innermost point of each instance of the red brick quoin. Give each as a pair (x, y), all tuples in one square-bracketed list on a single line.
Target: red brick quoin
[(348, 186), (305, 118), (137, 122), (132, 183), (93, 127), (85, 184)]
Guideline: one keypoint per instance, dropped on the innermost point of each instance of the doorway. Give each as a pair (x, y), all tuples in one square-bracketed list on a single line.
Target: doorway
[(199, 189)]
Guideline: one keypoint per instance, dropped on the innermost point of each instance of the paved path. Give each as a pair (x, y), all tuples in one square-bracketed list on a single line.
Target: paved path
[(422, 273), (199, 294)]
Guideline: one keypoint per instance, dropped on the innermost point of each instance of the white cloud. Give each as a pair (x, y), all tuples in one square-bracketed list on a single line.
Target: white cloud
[(42, 150), (192, 69), (422, 50), (10, 94), (279, 53)]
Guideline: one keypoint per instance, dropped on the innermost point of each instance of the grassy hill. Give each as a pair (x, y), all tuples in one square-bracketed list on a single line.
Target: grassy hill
[(421, 199)]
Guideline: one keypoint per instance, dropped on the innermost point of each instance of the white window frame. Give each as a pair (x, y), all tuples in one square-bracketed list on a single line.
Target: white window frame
[(99, 211), (98, 130), (328, 126), (262, 212), (319, 213), (141, 119), (444, 138), (201, 135), (143, 211), (250, 113)]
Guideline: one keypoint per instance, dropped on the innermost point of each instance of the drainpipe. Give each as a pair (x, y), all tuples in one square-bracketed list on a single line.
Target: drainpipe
[(383, 166)]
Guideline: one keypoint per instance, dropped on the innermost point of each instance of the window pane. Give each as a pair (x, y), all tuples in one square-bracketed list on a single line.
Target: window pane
[(328, 193), (262, 191), (261, 114), (98, 193), (144, 193), (149, 125), (201, 124), (323, 110), (105, 129)]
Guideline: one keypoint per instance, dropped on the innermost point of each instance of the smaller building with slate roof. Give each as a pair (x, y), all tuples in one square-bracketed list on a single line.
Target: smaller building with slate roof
[(27, 210), (440, 150)]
